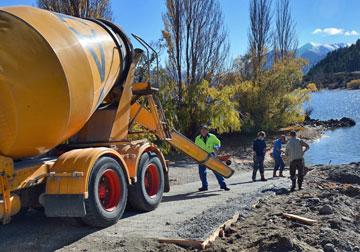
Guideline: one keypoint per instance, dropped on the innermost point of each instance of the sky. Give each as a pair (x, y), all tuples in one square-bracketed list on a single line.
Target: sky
[(317, 21)]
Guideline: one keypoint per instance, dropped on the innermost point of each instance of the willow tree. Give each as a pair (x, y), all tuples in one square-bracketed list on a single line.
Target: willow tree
[(79, 8), (196, 41), (197, 47)]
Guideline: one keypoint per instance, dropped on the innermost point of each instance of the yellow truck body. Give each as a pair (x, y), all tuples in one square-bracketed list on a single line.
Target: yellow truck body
[(67, 102)]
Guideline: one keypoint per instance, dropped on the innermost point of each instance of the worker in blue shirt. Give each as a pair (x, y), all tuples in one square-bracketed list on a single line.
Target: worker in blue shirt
[(279, 162), (259, 148)]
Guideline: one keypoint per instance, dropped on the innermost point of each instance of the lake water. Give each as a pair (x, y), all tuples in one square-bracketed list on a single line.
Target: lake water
[(341, 145)]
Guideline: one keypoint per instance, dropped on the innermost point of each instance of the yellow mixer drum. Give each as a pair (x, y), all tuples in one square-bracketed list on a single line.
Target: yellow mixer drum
[(55, 70)]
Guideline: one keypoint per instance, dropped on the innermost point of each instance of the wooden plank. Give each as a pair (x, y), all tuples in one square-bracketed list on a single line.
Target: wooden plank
[(220, 230), (186, 243), (299, 218), (199, 244)]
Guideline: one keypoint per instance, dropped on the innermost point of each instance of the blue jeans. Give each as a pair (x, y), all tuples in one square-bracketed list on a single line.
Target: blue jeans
[(279, 163), (202, 174)]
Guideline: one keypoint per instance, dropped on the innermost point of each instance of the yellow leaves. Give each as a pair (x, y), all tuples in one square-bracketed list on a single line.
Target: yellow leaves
[(203, 104), (167, 38), (353, 84), (272, 100), (312, 87)]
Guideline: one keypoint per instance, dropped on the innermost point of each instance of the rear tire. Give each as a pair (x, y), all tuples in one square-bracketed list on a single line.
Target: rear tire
[(146, 194), (107, 193)]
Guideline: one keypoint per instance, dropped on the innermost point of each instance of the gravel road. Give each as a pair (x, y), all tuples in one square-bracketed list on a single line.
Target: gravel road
[(184, 212)]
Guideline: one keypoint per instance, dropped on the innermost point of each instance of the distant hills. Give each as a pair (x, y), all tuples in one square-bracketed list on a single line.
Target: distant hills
[(313, 52), (338, 67), (345, 59)]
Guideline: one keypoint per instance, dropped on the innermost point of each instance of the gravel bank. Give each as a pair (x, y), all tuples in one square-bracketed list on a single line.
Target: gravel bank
[(331, 196)]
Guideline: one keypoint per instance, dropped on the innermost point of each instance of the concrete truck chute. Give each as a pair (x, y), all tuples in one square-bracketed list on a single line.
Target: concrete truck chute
[(67, 103)]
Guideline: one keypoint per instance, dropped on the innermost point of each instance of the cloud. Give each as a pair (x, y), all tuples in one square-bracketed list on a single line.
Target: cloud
[(332, 31), (351, 33)]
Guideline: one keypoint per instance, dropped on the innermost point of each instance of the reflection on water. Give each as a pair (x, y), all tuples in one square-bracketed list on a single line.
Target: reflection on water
[(340, 145)]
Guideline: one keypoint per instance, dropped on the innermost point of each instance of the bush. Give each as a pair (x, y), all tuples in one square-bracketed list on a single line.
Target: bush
[(354, 84), (202, 104), (312, 87), (271, 101)]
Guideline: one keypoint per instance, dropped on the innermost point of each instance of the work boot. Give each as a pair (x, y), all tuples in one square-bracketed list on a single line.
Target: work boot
[(274, 174), (300, 185), (281, 174), (254, 176), (293, 185), (263, 177), (225, 188), (203, 189)]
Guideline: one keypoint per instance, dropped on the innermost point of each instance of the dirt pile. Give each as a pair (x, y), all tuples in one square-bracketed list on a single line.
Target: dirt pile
[(331, 197)]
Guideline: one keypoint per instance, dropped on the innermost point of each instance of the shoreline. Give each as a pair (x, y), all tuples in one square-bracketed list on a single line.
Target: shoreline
[(184, 170)]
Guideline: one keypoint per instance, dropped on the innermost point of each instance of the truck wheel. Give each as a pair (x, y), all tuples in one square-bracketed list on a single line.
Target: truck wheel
[(146, 193), (107, 193)]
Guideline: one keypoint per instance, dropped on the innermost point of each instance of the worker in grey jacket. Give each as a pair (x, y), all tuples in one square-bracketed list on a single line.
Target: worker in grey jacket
[(295, 150)]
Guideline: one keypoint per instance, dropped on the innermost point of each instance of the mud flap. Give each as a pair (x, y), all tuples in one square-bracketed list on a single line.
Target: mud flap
[(64, 205), (166, 182)]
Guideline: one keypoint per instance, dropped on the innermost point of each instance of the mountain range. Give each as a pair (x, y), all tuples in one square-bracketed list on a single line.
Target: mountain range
[(338, 68), (312, 52)]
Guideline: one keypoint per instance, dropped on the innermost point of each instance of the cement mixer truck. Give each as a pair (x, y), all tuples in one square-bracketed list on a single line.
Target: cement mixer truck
[(68, 104)]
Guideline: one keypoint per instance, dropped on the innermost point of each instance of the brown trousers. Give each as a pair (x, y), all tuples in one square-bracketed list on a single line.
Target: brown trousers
[(297, 165)]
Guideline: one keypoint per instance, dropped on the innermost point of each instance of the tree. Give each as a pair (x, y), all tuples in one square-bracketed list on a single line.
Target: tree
[(260, 33), (79, 8), (197, 48), (173, 35), (242, 65), (273, 101), (196, 41), (285, 41)]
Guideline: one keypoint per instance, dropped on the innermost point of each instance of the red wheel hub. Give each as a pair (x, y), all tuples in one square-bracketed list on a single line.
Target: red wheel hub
[(152, 180), (109, 190)]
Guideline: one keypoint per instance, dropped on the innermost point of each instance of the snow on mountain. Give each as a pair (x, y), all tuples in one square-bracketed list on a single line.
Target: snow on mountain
[(312, 52)]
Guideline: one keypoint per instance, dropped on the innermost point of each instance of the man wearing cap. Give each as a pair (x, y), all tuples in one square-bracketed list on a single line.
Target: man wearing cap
[(209, 143)]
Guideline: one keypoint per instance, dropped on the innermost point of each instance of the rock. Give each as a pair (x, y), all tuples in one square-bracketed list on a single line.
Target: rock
[(348, 122), (347, 219), (332, 123), (313, 201), (221, 233), (345, 175), (336, 224), (356, 249), (325, 231), (329, 247), (326, 209)]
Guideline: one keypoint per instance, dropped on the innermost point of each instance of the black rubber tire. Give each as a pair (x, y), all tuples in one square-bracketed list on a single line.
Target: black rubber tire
[(96, 215), (138, 198)]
